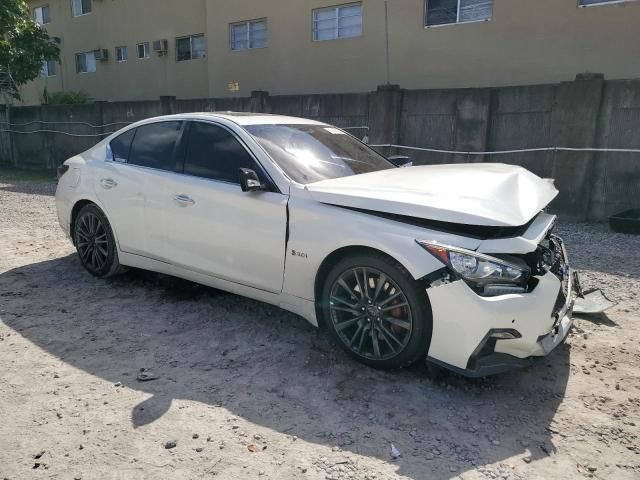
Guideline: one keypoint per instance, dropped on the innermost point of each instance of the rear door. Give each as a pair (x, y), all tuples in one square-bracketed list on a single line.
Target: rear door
[(213, 226), (132, 187)]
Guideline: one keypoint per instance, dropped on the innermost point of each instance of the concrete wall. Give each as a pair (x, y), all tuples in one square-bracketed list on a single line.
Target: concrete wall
[(525, 42), (587, 112)]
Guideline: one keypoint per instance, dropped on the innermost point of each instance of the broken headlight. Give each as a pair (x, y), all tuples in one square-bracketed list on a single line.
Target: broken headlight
[(486, 275)]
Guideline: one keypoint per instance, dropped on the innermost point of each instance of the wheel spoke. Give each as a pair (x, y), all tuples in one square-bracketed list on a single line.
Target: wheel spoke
[(355, 335), (390, 298), (365, 279), (387, 333), (360, 286), (82, 232), (349, 290), (376, 344), (363, 336), (382, 279), (386, 340), (347, 323), (352, 306), (398, 322), (395, 305), (102, 251)]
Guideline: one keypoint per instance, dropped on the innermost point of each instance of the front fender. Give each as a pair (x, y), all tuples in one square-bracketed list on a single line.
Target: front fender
[(316, 230)]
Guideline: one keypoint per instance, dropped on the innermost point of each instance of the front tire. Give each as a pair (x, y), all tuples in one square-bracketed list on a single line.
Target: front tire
[(95, 243), (376, 311)]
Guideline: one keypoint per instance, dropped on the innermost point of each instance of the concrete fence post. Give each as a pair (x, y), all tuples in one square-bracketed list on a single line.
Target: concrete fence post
[(574, 120), (168, 104), (259, 102), (473, 116), (385, 111), (100, 120)]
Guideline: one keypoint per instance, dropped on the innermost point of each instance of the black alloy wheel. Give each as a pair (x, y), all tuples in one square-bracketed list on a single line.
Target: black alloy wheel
[(95, 242), (376, 311)]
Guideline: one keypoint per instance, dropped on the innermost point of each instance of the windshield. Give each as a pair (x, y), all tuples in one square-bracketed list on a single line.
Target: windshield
[(310, 153)]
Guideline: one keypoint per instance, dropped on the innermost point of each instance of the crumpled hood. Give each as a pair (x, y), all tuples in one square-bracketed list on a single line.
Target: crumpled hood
[(487, 194)]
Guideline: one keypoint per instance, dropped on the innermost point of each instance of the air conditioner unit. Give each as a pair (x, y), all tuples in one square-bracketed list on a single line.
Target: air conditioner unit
[(161, 47), (101, 54)]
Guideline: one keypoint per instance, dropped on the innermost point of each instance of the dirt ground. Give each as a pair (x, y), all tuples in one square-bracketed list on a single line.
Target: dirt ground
[(248, 391)]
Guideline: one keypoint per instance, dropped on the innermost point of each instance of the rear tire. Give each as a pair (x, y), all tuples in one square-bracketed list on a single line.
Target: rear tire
[(376, 311), (95, 243)]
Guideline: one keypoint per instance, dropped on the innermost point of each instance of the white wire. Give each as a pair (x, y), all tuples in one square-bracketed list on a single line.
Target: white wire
[(524, 150), (61, 133), (64, 123)]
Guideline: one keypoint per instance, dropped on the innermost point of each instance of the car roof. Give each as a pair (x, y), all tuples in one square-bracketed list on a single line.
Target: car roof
[(246, 118)]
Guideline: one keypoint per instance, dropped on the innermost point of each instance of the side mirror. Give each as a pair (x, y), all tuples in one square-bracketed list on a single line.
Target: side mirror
[(249, 181), (400, 160)]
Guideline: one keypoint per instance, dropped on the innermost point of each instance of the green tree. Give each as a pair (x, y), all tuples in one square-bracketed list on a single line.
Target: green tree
[(24, 45)]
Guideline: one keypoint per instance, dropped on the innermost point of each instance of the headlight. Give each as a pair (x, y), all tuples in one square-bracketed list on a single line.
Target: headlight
[(485, 274)]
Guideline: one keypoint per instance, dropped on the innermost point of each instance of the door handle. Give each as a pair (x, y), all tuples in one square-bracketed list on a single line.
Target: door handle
[(184, 200), (108, 183)]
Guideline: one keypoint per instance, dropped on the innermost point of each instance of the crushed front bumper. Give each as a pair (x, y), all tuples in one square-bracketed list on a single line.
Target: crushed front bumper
[(466, 326)]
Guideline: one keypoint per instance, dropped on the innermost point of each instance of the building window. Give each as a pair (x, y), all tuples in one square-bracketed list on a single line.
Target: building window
[(143, 50), (343, 21), (80, 7), (41, 15), (86, 62), (48, 68), (190, 48), (121, 54), (248, 35), (447, 12)]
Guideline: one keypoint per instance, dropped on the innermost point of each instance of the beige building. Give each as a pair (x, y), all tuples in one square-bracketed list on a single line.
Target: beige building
[(142, 49)]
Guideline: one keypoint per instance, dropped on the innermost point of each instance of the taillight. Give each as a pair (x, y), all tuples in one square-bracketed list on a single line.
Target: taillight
[(62, 169)]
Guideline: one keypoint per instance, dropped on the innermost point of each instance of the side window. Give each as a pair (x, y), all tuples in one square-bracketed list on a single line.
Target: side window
[(121, 145), (214, 153), (154, 145)]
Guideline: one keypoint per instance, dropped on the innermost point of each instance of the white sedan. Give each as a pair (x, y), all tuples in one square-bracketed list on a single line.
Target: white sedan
[(457, 264)]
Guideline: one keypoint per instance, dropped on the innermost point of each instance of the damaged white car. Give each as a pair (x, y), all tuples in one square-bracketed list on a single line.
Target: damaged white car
[(457, 264)]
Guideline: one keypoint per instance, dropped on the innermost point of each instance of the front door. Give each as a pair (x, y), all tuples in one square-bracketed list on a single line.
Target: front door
[(213, 226)]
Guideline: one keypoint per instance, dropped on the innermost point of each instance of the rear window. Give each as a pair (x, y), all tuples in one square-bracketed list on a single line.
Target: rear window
[(154, 145), (121, 145)]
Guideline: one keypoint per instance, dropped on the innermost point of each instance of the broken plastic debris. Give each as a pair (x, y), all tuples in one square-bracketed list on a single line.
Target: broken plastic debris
[(145, 375), (592, 302), (395, 453)]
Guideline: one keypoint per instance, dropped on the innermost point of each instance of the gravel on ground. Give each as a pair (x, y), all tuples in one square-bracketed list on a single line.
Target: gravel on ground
[(245, 390)]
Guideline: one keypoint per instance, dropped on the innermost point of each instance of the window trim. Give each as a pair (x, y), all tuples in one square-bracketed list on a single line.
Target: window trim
[(602, 3), (126, 49), (190, 37), (35, 18), (337, 30), (457, 22), (147, 50), (73, 13), (248, 24)]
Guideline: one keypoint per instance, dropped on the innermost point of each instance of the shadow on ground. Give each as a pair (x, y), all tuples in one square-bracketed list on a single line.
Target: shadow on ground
[(273, 369)]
